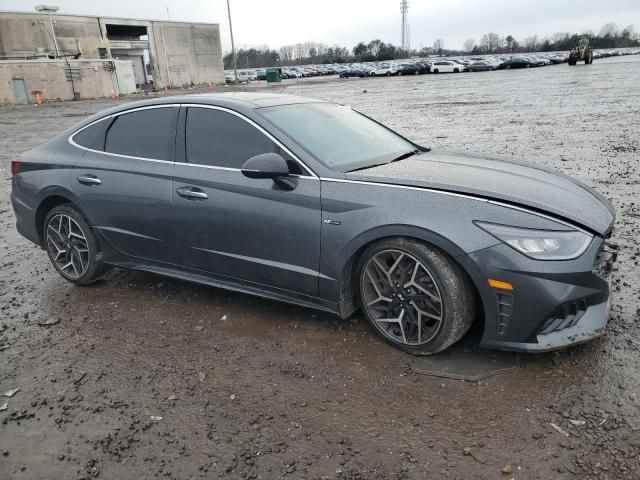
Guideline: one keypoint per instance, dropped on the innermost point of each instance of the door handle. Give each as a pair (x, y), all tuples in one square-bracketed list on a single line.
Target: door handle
[(89, 180), (192, 193)]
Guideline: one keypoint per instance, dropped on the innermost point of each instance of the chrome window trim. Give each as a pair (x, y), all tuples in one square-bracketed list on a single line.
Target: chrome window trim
[(117, 114), (312, 175), (462, 195)]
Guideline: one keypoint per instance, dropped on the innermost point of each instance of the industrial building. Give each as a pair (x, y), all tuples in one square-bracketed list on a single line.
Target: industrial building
[(57, 56)]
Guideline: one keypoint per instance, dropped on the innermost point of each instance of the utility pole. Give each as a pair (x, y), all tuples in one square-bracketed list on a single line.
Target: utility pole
[(233, 48), (404, 8)]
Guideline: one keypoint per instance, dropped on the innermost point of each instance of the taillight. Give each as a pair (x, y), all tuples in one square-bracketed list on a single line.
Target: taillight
[(15, 167)]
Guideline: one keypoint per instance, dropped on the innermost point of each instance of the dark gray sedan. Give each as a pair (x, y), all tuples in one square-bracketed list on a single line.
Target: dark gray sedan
[(312, 203)]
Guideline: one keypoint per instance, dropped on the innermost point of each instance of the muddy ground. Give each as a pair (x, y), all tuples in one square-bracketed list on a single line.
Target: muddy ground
[(143, 377)]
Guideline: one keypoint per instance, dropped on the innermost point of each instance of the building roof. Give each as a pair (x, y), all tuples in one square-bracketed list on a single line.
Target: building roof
[(106, 17)]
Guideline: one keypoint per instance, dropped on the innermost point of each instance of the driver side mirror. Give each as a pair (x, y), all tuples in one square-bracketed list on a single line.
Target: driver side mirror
[(265, 165)]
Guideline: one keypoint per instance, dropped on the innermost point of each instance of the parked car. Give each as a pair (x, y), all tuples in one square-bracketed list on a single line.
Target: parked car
[(383, 70), (354, 72), (516, 62), (243, 77), (409, 69), (481, 66), (261, 74), (310, 202), (292, 73), (423, 67), (444, 66)]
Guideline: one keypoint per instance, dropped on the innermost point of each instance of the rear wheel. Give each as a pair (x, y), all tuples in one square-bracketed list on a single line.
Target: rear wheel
[(456, 70), (71, 245), (414, 296)]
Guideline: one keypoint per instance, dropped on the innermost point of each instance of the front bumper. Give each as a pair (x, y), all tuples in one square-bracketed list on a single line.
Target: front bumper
[(554, 304)]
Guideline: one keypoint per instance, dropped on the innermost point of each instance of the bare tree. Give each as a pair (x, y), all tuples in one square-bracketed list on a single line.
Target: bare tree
[(287, 53), (438, 46), (468, 45), (491, 42), (531, 43), (299, 51), (628, 31), (374, 47), (609, 30), (559, 37)]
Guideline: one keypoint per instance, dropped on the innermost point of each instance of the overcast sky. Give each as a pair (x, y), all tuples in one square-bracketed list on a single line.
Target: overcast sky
[(345, 22)]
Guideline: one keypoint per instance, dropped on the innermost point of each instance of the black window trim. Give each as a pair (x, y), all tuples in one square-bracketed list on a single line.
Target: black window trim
[(311, 173)]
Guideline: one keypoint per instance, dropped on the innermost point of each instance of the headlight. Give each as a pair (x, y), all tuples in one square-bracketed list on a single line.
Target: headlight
[(541, 244)]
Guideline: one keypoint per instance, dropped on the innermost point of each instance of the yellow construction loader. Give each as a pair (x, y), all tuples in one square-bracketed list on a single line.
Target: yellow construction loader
[(581, 52)]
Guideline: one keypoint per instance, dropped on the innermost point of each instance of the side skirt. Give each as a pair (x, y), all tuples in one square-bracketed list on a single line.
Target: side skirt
[(235, 285)]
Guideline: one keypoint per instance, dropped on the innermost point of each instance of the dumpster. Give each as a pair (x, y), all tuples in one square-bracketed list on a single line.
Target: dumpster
[(274, 75)]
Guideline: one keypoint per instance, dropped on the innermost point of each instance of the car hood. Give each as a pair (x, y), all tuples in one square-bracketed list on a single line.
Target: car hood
[(507, 181)]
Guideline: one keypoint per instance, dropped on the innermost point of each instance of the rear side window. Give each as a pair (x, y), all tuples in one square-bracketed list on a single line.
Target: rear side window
[(92, 136), (221, 139), (146, 133)]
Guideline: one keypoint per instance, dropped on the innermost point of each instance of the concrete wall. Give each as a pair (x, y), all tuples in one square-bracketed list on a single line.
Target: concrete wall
[(193, 54), (181, 54), (30, 33), (49, 78)]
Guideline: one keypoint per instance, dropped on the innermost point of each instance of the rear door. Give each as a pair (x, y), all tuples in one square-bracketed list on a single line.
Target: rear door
[(123, 181), (256, 230)]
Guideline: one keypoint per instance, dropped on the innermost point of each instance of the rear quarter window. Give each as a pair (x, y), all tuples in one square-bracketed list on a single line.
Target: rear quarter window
[(92, 136)]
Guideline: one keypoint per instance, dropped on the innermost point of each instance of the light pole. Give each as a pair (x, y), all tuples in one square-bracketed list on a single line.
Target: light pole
[(233, 48), (49, 9)]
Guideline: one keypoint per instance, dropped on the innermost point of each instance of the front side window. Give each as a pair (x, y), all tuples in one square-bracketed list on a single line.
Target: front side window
[(148, 133), (337, 136), (221, 139)]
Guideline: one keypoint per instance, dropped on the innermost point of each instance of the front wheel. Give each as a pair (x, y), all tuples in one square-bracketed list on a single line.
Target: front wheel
[(71, 245), (416, 297), (436, 71)]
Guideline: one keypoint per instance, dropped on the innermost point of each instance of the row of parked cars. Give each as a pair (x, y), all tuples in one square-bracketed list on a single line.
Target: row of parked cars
[(421, 66)]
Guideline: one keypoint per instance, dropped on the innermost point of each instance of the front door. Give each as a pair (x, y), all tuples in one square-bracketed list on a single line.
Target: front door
[(123, 181), (253, 230)]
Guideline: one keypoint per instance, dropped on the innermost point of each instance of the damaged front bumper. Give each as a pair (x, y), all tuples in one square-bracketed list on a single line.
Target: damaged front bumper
[(554, 304)]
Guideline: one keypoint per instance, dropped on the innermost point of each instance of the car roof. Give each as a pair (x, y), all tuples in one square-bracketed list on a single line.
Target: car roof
[(239, 101)]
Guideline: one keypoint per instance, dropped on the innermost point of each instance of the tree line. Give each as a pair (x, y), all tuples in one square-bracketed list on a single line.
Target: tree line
[(610, 36)]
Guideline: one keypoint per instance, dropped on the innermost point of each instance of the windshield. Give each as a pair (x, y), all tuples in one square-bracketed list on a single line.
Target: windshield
[(337, 136)]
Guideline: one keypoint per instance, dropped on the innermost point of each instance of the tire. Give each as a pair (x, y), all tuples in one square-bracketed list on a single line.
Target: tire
[(388, 74), (430, 289), (65, 229), (436, 71), (456, 70)]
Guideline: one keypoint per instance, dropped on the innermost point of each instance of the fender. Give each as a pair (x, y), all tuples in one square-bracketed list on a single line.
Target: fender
[(337, 282), (56, 191)]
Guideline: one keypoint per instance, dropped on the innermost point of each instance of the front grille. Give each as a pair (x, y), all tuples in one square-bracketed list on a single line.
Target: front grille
[(565, 316), (605, 259)]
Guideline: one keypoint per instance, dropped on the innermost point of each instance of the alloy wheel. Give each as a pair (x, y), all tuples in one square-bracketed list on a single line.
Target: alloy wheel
[(67, 246), (402, 298)]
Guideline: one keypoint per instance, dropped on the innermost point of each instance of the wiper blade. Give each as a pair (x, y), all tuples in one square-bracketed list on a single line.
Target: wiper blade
[(367, 166), (405, 155)]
